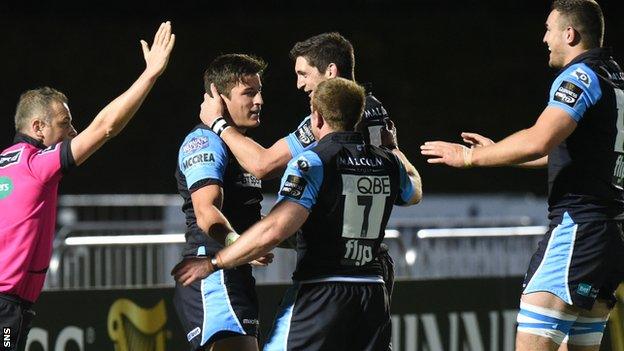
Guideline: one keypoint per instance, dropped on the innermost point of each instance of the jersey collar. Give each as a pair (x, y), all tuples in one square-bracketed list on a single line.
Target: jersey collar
[(592, 53), (344, 137), (23, 138)]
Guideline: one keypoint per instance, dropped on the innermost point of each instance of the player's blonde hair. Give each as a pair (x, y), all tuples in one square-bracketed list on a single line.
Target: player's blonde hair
[(340, 102)]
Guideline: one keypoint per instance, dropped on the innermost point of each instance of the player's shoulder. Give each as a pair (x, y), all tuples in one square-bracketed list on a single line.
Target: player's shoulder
[(306, 161), (581, 75), (201, 138)]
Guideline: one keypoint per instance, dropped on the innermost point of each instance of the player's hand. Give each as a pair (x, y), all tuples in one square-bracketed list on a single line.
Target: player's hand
[(212, 107), (476, 140), (192, 269), (157, 57), (451, 154), (389, 136), (263, 261)]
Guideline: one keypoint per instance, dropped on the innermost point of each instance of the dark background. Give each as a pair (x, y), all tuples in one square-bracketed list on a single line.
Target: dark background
[(439, 68)]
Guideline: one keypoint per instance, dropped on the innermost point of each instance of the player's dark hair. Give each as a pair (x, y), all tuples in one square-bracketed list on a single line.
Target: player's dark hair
[(340, 102), (586, 17), (227, 70), (323, 49), (36, 103)]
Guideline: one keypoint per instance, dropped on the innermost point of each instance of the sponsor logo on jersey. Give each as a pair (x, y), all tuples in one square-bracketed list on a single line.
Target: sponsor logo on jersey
[(48, 149), (10, 158), (582, 76), (251, 321), (194, 144), (360, 161), (616, 76), (293, 187), (303, 164), (248, 180), (304, 133), (568, 93), (357, 253), (6, 187), (204, 157), (376, 112)]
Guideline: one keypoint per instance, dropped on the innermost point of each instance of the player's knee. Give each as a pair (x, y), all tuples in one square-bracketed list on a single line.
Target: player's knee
[(544, 322)]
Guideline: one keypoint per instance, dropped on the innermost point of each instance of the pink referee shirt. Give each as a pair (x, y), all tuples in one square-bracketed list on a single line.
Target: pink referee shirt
[(29, 178)]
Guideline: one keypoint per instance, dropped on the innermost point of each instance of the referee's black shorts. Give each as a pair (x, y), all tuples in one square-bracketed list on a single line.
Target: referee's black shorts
[(332, 316), (15, 319)]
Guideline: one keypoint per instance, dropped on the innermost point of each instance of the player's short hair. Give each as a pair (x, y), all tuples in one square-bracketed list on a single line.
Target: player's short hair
[(36, 103), (323, 49), (340, 102), (227, 70), (586, 17)]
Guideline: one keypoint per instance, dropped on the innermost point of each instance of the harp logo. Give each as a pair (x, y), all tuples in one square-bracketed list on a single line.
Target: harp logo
[(143, 328)]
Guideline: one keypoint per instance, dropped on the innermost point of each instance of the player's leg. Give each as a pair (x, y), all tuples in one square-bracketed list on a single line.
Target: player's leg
[(222, 306), (587, 331), (572, 266)]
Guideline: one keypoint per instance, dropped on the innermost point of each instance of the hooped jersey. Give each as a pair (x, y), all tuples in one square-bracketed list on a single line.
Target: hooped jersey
[(349, 188), (374, 118), (586, 171), (204, 159), (29, 176)]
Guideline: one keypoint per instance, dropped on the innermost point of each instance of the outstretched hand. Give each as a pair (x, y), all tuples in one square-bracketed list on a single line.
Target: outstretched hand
[(157, 57), (476, 140), (212, 107), (451, 154)]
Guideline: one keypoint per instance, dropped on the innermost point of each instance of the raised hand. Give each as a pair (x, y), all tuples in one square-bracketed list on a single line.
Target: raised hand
[(389, 136), (157, 57)]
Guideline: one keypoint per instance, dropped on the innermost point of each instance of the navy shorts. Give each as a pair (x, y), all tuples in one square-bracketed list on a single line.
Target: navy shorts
[(222, 305), (332, 316), (578, 262)]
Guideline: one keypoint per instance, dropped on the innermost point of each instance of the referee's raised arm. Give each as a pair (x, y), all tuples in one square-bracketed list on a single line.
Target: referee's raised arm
[(114, 117)]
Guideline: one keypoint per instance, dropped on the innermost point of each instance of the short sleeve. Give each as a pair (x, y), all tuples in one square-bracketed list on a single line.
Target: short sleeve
[(202, 157), (302, 138), (302, 180), (575, 90), (50, 163), (406, 188)]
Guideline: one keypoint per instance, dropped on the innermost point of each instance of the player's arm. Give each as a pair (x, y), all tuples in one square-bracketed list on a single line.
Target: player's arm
[(476, 140), (262, 162), (207, 202), (114, 117), (411, 188), (551, 128), (283, 220)]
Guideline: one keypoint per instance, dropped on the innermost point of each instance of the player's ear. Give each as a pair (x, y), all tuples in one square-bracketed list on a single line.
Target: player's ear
[(332, 71)]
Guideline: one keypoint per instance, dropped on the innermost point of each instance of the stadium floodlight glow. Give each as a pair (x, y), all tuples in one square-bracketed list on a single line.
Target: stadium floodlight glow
[(481, 232), (392, 234), (125, 239), (410, 257)]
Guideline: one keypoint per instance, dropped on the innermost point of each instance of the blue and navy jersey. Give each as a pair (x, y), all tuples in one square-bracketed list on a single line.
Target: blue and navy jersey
[(349, 188), (586, 171), (373, 119), (204, 159)]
